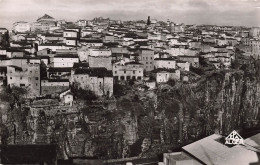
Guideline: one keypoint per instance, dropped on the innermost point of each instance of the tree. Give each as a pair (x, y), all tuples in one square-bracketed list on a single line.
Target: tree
[(171, 82), (86, 95)]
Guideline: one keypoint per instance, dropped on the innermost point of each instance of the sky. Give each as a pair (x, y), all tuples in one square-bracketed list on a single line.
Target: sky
[(215, 12)]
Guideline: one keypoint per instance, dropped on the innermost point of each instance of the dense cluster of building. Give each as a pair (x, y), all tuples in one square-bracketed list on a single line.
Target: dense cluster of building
[(50, 56)]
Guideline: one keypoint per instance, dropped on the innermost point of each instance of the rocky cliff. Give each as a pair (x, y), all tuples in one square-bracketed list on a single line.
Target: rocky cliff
[(145, 123)]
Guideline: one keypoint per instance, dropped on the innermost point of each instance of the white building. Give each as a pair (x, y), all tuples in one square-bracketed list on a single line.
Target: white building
[(21, 27), (100, 52), (27, 77), (131, 70), (163, 76), (168, 63), (98, 80), (53, 47), (64, 60), (183, 65)]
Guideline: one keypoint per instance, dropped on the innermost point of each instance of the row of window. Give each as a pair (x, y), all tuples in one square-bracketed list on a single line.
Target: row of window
[(30, 71), (128, 77), (133, 66), (23, 85), (128, 71), (36, 78), (147, 58)]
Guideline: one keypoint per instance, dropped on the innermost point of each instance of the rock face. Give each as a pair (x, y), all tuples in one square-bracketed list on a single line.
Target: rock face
[(220, 103), (145, 123)]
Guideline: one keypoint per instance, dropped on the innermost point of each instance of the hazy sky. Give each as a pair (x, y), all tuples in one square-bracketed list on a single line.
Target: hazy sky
[(222, 12)]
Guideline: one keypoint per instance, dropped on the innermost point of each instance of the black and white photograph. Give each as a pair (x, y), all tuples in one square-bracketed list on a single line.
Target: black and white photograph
[(129, 82)]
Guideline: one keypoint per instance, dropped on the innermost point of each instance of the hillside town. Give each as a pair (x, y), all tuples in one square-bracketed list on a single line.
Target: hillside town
[(69, 84)]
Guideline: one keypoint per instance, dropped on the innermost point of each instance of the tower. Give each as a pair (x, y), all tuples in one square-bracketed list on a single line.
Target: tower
[(148, 21)]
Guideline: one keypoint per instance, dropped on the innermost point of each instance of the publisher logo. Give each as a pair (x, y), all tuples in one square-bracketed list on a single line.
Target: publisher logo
[(234, 138)]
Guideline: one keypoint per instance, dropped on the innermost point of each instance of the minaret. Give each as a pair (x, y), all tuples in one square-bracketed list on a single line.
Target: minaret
[(148, 21)]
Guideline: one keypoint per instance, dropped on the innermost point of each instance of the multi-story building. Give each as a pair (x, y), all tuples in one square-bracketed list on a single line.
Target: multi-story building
[(183, 65), (27, 76), (100, 52), (91, 42), (21, 27), (82, 23), (100, 62), (168, 63), (64, 60), (43, 23), (254, 32), (54, 86), (146, 57), (53, 46), (131, 70), (193, 60), (251, 46), (164, 75), (71, 37), (108, 38), (255, 48), (98, 80)]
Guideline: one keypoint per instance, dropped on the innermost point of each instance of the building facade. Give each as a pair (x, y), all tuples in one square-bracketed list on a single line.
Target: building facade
[(131, 70), (146, 57), (98, 80), (21, 27), (168, 63), (26, 78)]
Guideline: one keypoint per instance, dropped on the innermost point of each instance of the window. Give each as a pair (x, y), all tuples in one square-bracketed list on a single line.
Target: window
[(146, 62), (36, 78), (124, 72), (151, 58), (21, 78), (11, 78), (36, 84), (133, 72)]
